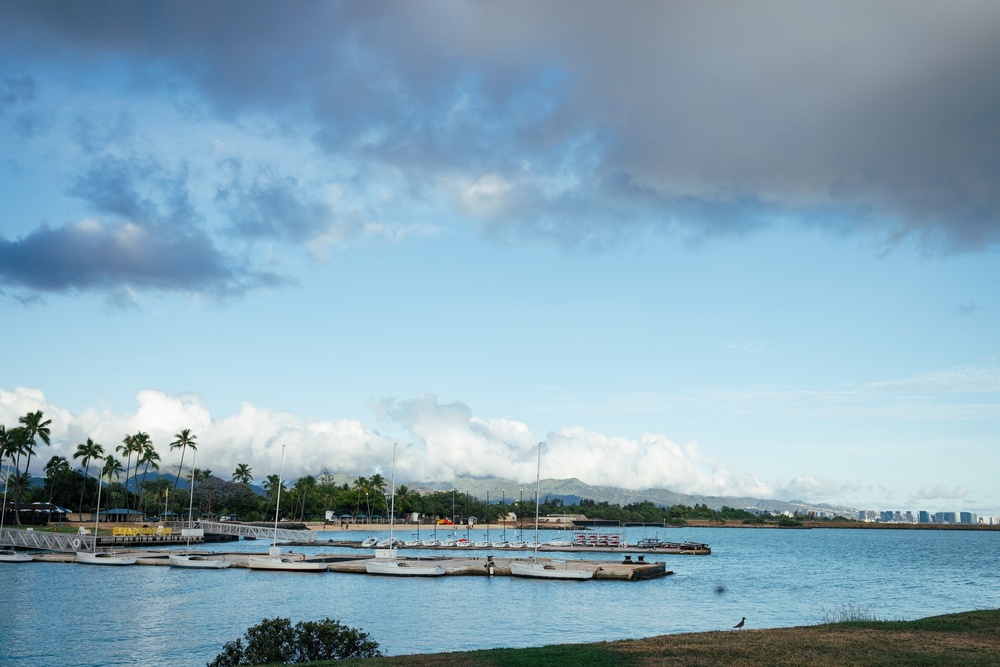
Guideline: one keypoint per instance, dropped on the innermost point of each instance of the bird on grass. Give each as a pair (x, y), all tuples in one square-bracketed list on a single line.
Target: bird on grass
[(739, 626)]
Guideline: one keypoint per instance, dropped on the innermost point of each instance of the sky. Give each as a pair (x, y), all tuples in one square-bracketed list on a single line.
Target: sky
[(748, 249)]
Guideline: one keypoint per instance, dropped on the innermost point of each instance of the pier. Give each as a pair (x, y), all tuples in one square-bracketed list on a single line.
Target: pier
[(249, 531), (622, 570)]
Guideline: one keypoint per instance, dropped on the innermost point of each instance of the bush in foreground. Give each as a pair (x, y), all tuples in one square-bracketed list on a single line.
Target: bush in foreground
[(276, 640)]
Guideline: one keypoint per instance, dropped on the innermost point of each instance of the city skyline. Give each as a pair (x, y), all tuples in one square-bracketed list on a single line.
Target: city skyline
[(750, 253)]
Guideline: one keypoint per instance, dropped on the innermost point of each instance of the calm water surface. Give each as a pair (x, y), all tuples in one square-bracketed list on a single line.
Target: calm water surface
[(69, 614)]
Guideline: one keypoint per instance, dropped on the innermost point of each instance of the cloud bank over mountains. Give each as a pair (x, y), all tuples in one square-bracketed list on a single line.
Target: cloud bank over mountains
[(442, 441)]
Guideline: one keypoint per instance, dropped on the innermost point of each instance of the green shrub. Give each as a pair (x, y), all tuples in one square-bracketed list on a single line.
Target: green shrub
[(275, 640), (850, 613)]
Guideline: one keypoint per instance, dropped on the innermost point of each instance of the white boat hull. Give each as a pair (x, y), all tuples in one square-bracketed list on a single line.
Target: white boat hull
[(198, 561), (285, 563), (11, 556), (539, 570), (402, 568), (103, 558)]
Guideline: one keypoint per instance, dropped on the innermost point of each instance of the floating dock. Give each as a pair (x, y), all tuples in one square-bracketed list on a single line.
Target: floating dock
[(622, 570)]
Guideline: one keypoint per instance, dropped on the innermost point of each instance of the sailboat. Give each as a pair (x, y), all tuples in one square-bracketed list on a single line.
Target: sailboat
[(95, 557), (385, 561), (9, 555), (275, 560), (549, 569), (189, 559)]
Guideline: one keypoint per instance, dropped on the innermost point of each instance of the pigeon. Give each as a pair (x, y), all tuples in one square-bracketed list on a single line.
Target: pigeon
[(739, 626)]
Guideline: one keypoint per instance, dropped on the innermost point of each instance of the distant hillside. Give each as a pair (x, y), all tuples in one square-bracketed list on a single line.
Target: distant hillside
[(572, 490)]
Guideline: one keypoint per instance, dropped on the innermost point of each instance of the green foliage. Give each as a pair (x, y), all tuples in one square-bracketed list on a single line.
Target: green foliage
[(326, 639), (788, 522), (850, 613), (275, 640)]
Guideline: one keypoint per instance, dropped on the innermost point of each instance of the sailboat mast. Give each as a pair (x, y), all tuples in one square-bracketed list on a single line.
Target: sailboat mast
[(277, 503), (3, 512), (392, 491), (538, 477), (97, 519), (191, 501)]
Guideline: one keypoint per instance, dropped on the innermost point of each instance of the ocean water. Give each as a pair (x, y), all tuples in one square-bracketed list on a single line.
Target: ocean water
[(75, 615)]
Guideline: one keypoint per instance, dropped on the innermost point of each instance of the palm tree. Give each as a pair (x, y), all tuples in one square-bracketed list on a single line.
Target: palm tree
[(112, 469), (8, 443), (127, 448), (271, 485), (16, 443), (402, 498), (132, 444), (361, 488), (150, 459), (242, 473), (160, 488), (184, 440), (19, 482), (304, 486), (36, 426), (86, 452), (56, 467), (377, 483)]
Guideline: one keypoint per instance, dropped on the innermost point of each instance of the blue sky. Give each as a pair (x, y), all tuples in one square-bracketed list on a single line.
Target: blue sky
[(750, 252)]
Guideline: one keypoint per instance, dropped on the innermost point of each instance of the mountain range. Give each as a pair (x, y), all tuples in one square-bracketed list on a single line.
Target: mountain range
[(572, 490)]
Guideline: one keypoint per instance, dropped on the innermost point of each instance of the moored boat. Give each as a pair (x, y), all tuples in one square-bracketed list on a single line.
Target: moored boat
[(275, 560), (385, 561), (198, 561), (188, 559), (11, 556), (536, 569), (95, 557), (103, 558)]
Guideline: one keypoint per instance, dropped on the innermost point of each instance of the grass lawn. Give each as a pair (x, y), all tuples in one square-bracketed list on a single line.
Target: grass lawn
[(968, 639)]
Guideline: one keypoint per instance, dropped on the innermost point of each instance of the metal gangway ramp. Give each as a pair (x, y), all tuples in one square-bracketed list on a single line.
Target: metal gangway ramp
[(243, 530), (37, 539)]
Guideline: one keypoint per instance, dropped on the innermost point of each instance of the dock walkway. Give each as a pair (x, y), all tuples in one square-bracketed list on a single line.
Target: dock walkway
[(624, 570)]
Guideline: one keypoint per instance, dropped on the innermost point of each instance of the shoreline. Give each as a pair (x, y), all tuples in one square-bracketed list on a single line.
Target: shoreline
[(691, 523), (321, 526)]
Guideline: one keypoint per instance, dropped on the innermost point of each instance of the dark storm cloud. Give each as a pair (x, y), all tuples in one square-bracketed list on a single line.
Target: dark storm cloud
[(152, 242), (91, 256), (599, 120)]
